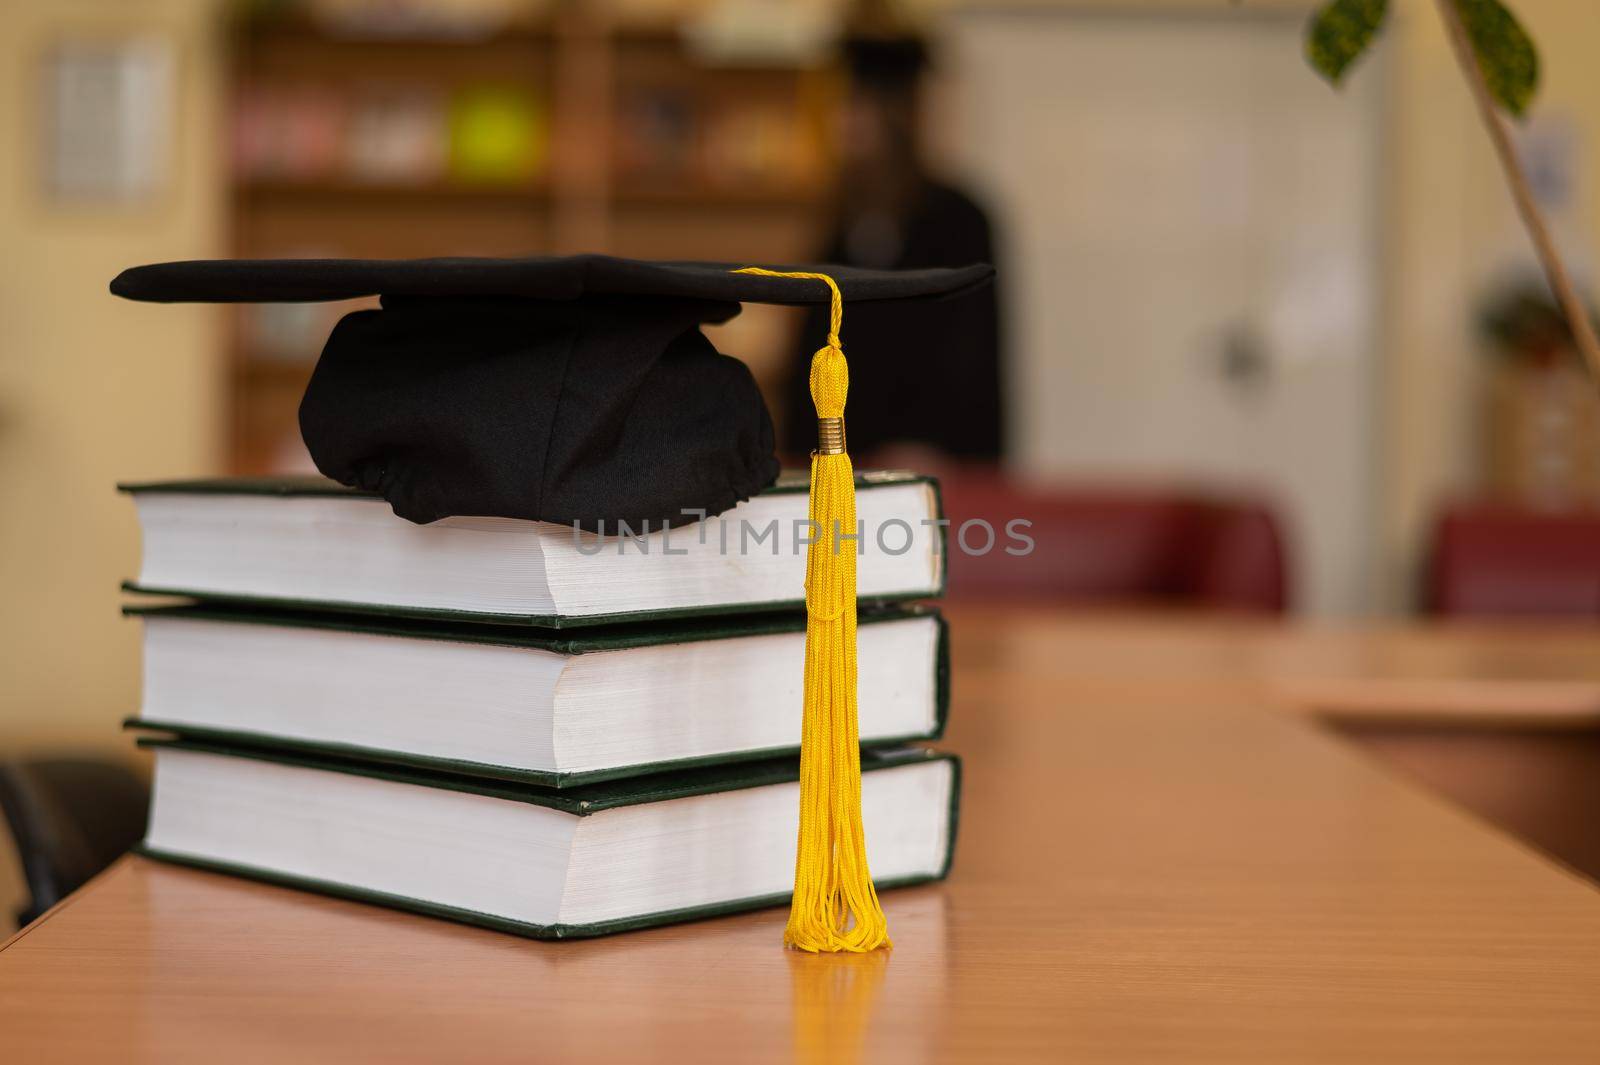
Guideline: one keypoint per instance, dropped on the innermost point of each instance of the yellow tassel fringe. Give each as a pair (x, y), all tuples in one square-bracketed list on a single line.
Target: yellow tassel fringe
[(835, 905)]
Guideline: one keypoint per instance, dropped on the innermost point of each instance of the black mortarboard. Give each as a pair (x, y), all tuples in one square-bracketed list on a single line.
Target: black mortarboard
[(573, 390)]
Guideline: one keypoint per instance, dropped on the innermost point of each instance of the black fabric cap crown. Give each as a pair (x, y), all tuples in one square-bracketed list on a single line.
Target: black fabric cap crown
[(573, 390)]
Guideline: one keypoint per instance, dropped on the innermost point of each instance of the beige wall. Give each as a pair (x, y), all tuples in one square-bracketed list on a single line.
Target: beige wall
[(92, 389)]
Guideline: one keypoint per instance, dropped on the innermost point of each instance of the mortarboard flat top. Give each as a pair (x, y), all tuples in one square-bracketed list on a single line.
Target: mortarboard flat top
[(577, 390), (537, 277)]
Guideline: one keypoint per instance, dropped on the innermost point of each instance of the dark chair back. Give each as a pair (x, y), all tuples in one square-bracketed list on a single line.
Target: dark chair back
[(1116, 547), (1494, 560), (70, 818)]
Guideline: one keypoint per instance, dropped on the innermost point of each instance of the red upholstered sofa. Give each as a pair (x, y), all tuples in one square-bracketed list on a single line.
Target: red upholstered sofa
[(1115, 546), (1497, 560)]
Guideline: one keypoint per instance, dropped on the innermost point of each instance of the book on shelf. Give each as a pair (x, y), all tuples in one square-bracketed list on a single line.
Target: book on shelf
[(550, 708), (311, 543), (550, 864)]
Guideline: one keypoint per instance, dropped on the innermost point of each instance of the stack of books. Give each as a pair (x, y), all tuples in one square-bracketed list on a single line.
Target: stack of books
[(517, 724)]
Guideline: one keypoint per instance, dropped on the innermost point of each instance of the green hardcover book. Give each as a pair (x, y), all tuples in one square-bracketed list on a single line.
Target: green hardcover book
[(555, 709), (604, 858), (311, 543)]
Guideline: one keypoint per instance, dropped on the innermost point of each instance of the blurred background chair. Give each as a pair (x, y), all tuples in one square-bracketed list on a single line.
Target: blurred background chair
[(1122, 546), (69, 819), (1501, 560)]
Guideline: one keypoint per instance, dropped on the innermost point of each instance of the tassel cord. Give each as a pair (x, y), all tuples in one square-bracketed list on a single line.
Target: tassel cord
[(835, 905)]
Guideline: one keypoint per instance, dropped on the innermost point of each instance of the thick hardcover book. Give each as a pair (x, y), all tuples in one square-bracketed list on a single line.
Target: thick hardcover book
[(555, 709), (311, 543), (590, 861)]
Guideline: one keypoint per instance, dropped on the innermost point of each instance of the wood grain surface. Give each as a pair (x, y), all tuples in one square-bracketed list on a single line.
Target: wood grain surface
[(1155, 864)]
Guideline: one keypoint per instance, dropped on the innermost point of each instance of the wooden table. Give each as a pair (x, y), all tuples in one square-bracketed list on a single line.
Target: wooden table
[(1155, 864)]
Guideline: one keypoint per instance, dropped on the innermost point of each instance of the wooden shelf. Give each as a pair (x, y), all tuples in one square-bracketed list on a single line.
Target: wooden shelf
[(635, 193), (378, 194), (299, 30), (593, 80), (302, 50)]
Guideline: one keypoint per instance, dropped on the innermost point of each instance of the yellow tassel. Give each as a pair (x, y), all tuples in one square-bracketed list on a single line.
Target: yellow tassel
[(835, 906)]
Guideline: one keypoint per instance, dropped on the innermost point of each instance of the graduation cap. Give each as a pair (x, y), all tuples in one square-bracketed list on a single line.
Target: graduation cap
[(576, 390), (580, 390)]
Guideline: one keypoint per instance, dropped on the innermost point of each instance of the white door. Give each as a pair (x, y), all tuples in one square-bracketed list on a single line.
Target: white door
[(1189, 222)]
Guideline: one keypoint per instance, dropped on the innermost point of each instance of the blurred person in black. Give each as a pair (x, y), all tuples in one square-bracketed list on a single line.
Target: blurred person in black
[(933, 386)]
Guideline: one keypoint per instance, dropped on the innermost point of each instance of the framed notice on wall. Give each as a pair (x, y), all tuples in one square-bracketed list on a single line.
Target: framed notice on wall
[(107, 118)]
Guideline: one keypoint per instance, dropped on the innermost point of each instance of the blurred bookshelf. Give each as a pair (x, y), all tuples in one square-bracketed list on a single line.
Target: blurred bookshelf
[(558, 135)]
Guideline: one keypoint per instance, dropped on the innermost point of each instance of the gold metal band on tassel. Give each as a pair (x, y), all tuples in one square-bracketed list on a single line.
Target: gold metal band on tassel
[(830, 436)]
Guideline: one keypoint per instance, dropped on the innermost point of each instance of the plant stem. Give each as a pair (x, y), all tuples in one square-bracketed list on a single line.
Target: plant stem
[(1555, 271)]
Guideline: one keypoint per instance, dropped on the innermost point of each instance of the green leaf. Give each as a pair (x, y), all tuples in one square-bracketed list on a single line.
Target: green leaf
[(1506, 54), (1340, 31)]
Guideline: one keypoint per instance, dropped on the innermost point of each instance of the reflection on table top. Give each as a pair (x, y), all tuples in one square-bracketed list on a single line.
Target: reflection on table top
[(1155, 863)]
